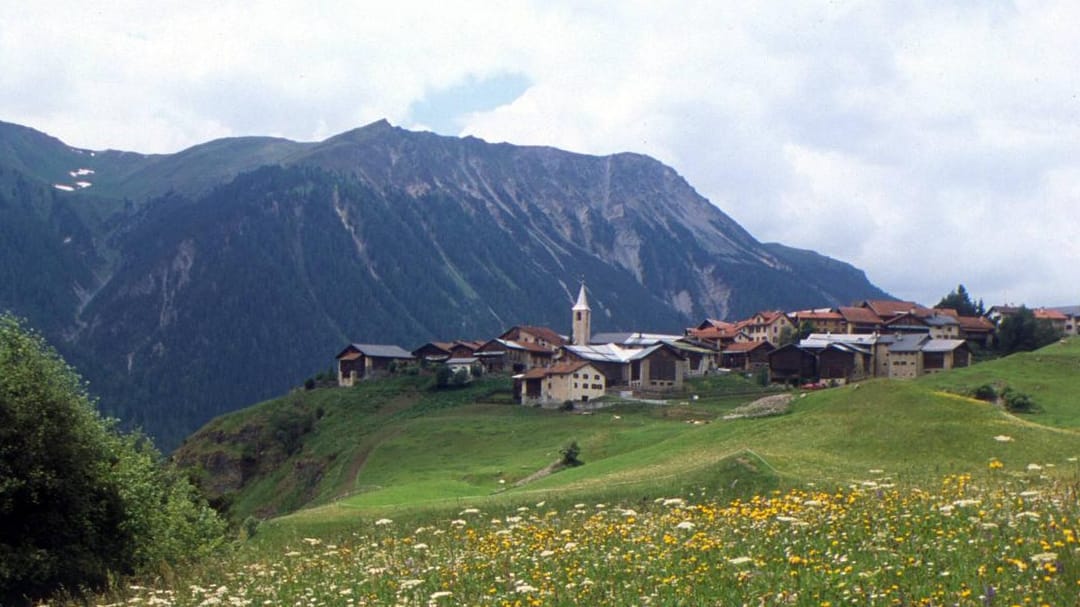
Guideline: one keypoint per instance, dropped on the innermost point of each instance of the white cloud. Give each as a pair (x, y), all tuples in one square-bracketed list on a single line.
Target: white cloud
[(929, 144)]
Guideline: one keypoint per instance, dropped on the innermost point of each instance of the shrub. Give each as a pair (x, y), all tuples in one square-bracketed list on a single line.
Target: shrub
[(460, 378), (1017, 402), (570, 455), (442, 376), (80, 502), (985, 392)]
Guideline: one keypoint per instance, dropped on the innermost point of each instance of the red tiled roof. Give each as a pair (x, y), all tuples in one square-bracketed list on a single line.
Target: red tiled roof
[(1047, 314), (859, 315), (745, 346), (715, 333)]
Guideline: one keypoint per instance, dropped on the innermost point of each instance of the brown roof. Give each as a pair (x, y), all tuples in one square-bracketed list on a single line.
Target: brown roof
[(947, 312), (815, 315), (559, 369), (544, 333), (904, 319), (884, 308), (715, 333), (859, 315), (745, 346), (974, 323)]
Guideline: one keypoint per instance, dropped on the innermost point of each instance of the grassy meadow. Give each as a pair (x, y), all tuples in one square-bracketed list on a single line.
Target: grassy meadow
[(880, 493)]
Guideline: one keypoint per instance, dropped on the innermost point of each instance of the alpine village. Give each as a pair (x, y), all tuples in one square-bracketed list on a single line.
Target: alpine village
[(807, 348), (786, 450)]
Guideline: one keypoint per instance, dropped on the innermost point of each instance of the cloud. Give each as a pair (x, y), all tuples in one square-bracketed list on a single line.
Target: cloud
[(930, 144)]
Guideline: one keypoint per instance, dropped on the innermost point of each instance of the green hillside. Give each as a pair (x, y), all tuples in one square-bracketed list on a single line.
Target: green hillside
[(1050, 376), (397, 444), (883, 492)]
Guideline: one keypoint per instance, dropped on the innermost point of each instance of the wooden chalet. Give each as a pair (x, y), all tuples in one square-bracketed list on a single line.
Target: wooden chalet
[(364, 361), (441, 351), (976, 330), (507, 355), (792, 364), (746, 356)]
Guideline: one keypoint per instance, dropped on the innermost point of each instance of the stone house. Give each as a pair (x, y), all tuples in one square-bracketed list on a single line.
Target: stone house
[(576, 381)]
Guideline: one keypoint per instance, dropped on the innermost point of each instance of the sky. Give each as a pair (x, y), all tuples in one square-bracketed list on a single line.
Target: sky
[(930, 144)]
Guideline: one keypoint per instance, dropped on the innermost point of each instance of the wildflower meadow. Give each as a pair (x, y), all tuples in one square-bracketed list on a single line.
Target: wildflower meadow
[(1004, 539)]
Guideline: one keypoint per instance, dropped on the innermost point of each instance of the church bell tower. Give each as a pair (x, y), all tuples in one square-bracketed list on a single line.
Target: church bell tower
[(582, 319)]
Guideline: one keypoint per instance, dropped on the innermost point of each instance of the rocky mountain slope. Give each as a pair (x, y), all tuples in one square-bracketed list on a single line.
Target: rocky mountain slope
[(190, 284)]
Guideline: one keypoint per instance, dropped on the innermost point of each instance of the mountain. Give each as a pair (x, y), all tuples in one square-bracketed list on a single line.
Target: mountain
[(186, 285)]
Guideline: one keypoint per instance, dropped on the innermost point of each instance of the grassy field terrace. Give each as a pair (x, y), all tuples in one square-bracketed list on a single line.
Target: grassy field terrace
[(878, 493)]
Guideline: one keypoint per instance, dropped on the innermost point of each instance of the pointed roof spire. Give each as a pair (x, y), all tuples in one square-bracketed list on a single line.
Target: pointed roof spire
[(582, 301)]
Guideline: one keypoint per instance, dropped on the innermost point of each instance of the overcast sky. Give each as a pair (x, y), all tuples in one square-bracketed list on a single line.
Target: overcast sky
[(929, 144)]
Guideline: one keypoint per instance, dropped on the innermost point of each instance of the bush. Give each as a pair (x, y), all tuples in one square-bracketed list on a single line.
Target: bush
[(1017, 402), (442, 376), (460, 378), (570, 455), (985, 392), (80, 502)]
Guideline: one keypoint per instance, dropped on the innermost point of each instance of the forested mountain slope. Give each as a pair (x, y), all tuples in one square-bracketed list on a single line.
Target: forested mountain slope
[(189, 284)]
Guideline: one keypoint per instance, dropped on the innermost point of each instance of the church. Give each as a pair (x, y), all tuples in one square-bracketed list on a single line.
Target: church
[(584, 370)]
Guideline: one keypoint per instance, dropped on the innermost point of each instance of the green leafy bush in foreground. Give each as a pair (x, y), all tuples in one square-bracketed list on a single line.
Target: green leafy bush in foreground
[(80, 502)]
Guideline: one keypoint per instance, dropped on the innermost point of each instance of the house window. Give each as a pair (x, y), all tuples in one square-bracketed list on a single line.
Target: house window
[(596, 377), (575, 384)]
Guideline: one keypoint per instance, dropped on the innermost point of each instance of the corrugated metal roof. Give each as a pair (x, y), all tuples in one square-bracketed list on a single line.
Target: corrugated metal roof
[(942, 345), (382, 351), (908, 343)]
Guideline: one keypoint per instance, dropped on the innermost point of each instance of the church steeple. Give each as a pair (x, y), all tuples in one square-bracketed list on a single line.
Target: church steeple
[(582, 319)]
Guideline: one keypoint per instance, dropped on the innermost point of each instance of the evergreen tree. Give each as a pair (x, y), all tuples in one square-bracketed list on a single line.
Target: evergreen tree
[(960, 300)]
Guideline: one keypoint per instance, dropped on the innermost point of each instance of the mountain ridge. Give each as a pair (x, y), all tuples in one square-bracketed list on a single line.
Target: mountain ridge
[(189, 284)]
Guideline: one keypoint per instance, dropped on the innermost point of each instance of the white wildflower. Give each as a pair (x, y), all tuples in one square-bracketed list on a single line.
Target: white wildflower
[(1044, 557)]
